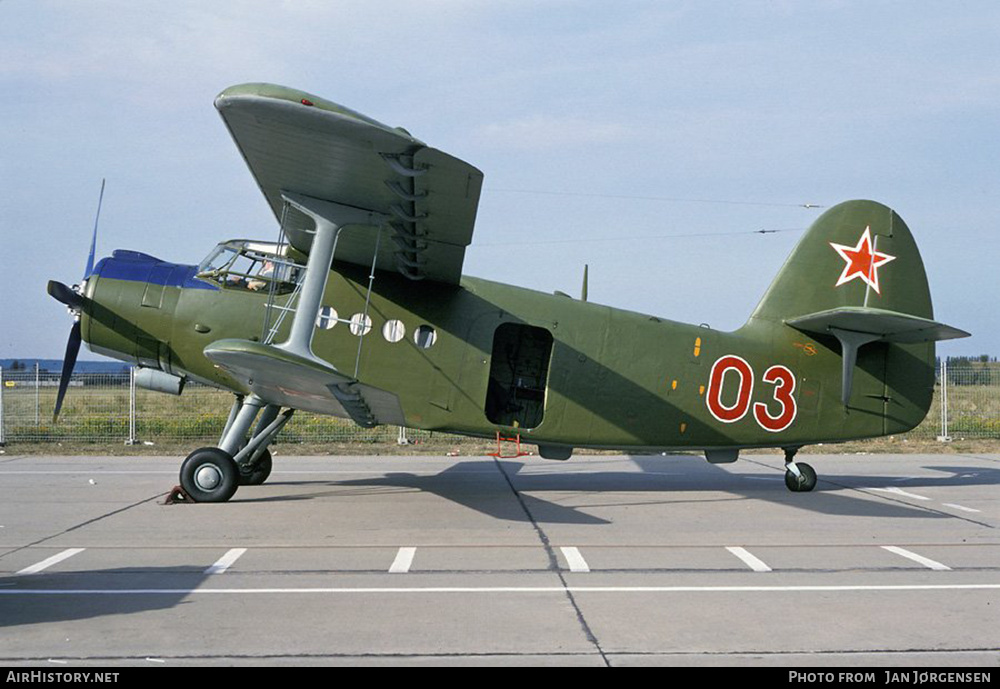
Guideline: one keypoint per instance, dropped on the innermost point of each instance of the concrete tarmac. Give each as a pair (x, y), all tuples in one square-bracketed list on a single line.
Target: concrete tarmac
[(624, 560)]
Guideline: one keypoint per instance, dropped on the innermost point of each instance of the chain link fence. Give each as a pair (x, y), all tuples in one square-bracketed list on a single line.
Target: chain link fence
[(110, 408), (966, 402)]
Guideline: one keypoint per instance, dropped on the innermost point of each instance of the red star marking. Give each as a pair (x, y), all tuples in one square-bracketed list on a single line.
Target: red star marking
[(862, 261)]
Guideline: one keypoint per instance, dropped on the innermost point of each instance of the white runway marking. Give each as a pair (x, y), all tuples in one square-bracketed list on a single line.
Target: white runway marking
[(403, 561), (926, 562), (226, 561), (959, 507), (48, 562), (574, 559), (750, 560), (498, 589), (900, 492)]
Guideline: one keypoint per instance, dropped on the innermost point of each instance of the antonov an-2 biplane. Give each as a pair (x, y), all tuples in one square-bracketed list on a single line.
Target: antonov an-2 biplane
[(360, 310)]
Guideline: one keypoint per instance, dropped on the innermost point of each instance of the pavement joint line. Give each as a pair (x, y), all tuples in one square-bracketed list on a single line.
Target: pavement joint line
[(749, 559), (920, 559), (226, 561), (574, 559), (49, 561), (832, 588), (166, 472), (543, 537), (701, 652), (403, 561), (94, 520)]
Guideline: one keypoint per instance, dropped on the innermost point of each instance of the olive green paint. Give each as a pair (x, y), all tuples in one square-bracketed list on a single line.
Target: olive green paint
[(616, 379)]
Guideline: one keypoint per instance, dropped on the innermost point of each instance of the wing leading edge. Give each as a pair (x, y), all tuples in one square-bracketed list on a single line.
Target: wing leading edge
[(297, 143)]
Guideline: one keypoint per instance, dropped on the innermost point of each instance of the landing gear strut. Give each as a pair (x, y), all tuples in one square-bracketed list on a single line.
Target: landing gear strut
[(255, 474), (799, 476), (212, 474)]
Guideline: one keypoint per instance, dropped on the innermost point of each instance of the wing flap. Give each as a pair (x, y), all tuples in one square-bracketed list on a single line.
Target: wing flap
[(286, 379)]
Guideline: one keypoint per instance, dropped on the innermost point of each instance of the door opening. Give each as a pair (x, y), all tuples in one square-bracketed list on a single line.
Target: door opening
[(518, 372)]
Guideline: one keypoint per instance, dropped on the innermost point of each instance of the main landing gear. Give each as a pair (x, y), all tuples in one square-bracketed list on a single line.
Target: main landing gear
[(799, 476), (212, 474)]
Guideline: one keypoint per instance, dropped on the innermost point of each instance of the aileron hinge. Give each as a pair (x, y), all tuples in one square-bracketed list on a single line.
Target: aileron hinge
[(354, 404), (397, 189), (410, 263), (401, 213), (409, 244), (400, 168), (409, 273)]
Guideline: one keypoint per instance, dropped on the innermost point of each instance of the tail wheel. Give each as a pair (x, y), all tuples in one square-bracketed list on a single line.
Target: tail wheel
[(210, 475), (804, 482), (256, 475)]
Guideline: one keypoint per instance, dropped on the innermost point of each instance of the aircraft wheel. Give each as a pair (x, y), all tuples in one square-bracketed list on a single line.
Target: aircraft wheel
[(256, 475), (210, 475), (801, 484)]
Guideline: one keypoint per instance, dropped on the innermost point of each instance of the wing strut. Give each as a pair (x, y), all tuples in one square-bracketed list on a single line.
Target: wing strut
[(850, 343), (290, 374), (329, 218), (856, 326)]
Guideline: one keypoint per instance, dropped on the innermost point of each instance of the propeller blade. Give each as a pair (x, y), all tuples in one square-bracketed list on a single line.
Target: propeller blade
[(64, 295), (69, 361), (74, 300), (93, 240)]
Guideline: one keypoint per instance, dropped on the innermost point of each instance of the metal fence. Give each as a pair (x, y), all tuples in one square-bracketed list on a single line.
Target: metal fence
[(966, 402), (109, 408)]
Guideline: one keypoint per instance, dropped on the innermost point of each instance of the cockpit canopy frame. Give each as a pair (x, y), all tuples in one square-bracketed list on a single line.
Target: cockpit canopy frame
[(251, 265)]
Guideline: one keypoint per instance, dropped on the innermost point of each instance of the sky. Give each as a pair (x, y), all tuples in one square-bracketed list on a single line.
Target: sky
[(649, 140)]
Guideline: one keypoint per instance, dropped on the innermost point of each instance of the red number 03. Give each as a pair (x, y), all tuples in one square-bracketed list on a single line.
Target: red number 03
[(738, 372)]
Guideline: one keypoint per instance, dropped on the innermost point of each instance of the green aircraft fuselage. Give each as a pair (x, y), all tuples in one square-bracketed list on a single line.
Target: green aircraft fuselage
[(563, 373)]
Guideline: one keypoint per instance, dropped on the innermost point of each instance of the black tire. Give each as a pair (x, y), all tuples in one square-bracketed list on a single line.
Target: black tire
[(804, 484), (210, 475), (258, 474)]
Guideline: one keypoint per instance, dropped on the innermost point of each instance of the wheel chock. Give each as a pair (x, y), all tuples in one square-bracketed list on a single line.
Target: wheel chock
[(177, 496)]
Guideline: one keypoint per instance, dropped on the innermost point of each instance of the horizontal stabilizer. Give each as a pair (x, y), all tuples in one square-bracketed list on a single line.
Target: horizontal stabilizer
[(287, 379), (885, 326), (856, 326)]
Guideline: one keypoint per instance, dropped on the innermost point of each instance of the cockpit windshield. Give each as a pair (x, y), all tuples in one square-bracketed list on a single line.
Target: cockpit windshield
[(253, 266)]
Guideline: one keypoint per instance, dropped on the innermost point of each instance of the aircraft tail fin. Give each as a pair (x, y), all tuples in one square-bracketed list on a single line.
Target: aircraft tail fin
[(857, 278), (857, 254)]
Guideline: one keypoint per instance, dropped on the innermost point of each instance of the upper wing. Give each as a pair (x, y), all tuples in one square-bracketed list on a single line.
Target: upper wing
[(298, 143)]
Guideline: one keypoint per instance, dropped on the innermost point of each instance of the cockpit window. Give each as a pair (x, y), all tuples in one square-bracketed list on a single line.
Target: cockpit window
[(252, 266)]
